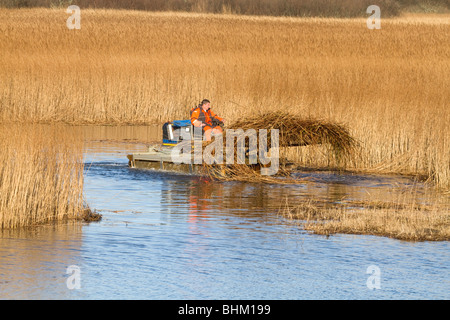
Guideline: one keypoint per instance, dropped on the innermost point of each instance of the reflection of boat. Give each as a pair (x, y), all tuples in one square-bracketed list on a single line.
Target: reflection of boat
[(160, 157)]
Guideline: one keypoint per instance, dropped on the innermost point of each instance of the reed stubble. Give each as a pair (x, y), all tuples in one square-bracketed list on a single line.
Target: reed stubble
[(404, 219)]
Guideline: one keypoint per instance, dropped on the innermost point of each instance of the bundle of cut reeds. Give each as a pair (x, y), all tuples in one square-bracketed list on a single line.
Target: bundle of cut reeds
[(293, 131), (297, 131)]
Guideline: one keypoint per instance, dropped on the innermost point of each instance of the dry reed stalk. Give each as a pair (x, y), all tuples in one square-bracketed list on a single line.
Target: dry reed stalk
[(41, 177), (152, 67)]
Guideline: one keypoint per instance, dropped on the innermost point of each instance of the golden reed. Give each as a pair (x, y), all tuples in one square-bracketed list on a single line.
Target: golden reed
[(388, 86), (41, 175)]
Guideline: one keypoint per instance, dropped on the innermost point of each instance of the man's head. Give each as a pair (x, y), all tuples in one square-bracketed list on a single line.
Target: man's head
[(206, 104)]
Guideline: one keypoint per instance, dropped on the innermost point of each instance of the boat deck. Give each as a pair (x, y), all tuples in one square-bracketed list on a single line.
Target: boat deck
[(161, 158)]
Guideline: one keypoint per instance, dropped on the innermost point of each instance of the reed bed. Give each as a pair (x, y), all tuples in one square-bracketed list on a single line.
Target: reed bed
[(301, 8), (389, 87), (254, 7), (41, 176), (408, 221)]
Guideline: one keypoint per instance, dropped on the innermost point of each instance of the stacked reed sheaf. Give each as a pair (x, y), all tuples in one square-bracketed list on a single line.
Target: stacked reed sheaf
[(41, 175), (292, 131), (299, 131)]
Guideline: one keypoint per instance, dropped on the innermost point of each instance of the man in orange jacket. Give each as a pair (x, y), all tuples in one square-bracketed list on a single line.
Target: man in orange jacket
[(203, 117)]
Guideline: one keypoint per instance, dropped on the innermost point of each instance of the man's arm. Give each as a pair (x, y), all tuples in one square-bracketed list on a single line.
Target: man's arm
[(215, 116)]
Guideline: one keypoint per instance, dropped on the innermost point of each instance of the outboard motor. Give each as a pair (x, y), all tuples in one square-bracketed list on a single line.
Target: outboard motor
[(172, 131)]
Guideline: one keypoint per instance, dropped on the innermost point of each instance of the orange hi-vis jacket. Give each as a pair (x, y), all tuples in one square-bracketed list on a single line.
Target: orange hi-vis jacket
[(205, 117)]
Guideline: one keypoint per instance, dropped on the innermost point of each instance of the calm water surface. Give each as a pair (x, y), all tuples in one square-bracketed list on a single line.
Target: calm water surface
[(171, 236)]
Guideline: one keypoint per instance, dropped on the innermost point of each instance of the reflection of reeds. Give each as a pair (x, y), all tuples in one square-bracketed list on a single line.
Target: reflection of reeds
[(404, 221), (41, 175)]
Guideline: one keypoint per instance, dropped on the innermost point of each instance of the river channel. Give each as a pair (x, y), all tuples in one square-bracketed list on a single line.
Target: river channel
[(172, 236)]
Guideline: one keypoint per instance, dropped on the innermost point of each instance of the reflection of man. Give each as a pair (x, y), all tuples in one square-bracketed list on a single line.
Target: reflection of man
[(203, 117), (200, 193)]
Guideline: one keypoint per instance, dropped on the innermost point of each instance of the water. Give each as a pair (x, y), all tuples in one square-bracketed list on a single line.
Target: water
[(171, 236)]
